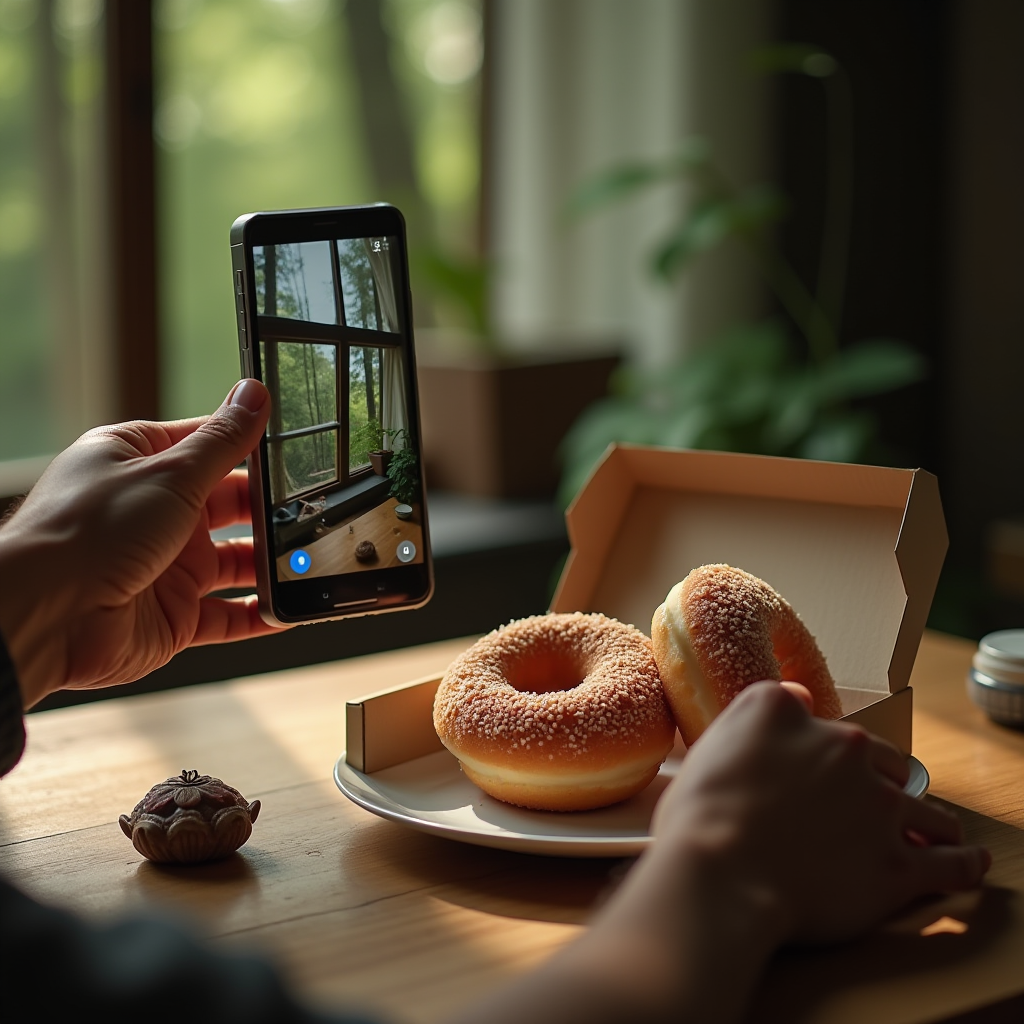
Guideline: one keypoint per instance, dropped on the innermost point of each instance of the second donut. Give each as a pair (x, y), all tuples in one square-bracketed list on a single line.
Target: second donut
[(721, 629)]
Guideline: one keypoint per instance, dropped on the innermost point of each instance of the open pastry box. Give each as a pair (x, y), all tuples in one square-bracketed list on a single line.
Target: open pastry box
[(856, 550)]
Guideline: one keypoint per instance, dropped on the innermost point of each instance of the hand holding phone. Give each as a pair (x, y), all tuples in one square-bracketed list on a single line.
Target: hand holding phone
[(336, 484)]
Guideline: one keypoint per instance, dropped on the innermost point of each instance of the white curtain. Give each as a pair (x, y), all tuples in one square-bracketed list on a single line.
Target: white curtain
[(393, 412), (582, 85), (383, 277)]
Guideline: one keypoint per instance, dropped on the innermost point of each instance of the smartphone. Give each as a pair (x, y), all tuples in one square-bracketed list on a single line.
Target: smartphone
[(339, 512)]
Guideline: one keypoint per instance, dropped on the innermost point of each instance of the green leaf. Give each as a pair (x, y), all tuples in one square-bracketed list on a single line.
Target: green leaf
[(369, 437), (613, 186), (692, 379), (840, 438), (686, 428), (708, 223), (712, 220), (872, 367), (625, 180), (466, 282), (794, 410), (404, 475), (750, 399), (761, 348)]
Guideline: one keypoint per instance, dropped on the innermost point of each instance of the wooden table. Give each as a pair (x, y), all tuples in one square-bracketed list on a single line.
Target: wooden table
[(365, 912)]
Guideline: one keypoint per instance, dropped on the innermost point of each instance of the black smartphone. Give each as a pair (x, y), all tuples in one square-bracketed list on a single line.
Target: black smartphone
[(339, 512)]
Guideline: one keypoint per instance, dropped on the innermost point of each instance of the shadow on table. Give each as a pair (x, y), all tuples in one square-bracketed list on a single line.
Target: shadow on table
[(942, 956), (562, 890), (220, 883), (925, 941)]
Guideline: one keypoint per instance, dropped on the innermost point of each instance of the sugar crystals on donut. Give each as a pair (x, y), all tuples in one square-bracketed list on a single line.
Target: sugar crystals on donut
[(557, 712), (721, 629), (572, 712)]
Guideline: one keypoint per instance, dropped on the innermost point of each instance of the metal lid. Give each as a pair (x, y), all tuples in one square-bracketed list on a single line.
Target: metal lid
[(1001, 656)]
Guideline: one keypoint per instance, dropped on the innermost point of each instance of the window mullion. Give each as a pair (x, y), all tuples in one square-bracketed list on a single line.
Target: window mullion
[(131, 198), (341, 381)]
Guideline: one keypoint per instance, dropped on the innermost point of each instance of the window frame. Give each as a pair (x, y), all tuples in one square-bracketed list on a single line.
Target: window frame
[(277, 329), (128, 243)]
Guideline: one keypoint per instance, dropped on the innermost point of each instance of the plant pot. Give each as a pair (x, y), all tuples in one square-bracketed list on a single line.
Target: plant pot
[(379, 460), (492, 424)]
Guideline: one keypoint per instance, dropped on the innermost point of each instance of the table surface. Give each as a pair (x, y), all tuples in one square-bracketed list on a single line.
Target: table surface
[(368, 914)]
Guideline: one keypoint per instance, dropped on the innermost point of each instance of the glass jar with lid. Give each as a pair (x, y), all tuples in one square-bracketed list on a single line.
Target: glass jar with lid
[(996, 679)]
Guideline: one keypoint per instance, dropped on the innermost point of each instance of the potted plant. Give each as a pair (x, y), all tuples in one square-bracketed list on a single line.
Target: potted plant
[(368, 442), (781, 387), (403, 472)]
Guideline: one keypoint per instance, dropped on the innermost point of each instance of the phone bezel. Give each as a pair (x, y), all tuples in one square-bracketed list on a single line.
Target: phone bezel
[(287, 602)]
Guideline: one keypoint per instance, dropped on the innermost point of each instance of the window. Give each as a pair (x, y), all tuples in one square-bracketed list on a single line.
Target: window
[(328, 325), (262, 105), (308, 432), (258, 104), (299, 282), (51, 360), (364, 410)]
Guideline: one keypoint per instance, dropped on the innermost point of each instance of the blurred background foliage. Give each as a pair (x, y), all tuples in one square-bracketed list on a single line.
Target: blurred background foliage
[(50, 82), (275, 104), (261, 104), (781, 386)]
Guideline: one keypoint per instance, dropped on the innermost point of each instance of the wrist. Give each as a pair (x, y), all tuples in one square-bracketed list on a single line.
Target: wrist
[(703, 930), (726, 888), (33, 601)]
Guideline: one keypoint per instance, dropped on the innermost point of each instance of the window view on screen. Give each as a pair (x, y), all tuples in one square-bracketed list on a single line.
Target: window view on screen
[(344, 471)]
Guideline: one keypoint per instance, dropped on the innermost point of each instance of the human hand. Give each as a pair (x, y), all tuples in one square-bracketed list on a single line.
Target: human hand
[(107, 566), (779, 826), (812, 815)]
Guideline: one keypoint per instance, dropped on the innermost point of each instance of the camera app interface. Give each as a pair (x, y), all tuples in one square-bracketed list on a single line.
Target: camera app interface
[(343, 462)]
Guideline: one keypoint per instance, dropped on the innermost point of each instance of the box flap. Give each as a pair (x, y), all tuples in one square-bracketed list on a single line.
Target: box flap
[(920, 552), (855, 549), (392, 725)]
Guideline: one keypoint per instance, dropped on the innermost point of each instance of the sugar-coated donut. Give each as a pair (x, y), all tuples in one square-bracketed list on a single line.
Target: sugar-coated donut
[(721, 629), (557, 712)]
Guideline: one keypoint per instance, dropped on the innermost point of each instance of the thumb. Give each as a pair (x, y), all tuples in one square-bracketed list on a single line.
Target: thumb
[(215, 447), (801, 693)]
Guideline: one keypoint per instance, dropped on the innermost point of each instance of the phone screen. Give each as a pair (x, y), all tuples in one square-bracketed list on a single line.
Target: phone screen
[(342, 491)]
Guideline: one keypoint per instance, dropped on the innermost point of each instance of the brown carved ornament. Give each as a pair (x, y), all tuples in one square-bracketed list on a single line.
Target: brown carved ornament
[(365, 551), (189, 819)]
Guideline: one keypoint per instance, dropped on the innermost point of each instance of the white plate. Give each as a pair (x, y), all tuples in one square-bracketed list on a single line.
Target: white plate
[(431, 794)]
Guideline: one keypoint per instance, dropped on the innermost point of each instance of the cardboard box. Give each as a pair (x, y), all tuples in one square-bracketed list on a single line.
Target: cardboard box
[(856, 550)]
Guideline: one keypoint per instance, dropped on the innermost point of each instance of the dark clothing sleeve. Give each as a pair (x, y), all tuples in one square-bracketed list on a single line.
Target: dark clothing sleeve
[(12, 725), (54, 967)]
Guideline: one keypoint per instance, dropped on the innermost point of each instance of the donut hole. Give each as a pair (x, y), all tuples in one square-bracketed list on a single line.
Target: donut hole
[(545, 672)]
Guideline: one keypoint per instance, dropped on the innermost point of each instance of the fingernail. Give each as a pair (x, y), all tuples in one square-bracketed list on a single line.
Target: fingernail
[(248, 394)]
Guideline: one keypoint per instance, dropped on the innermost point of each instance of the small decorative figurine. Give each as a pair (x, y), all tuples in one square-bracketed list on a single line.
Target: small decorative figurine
[(189, 819)]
